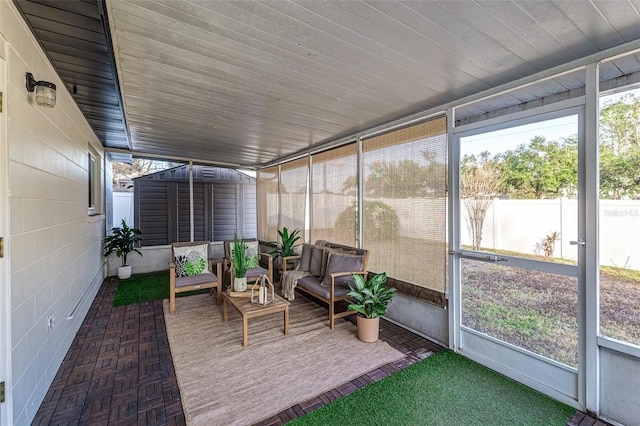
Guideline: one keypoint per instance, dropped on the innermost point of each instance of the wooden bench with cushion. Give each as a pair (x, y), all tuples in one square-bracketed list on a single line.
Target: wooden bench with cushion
[(324, 271)]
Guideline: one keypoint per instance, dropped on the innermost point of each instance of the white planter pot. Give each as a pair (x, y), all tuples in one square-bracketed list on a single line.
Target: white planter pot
[(240, 284), (124, 272)]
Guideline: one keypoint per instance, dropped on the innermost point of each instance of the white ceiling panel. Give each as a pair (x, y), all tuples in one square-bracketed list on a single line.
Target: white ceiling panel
[(248, 82)]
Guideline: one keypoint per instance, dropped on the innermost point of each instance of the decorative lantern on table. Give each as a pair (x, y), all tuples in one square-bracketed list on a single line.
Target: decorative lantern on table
[(262, 291)]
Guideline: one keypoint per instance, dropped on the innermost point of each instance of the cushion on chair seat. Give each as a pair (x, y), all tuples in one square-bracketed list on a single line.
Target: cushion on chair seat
[(314, 284), (256, 272), (204, 278)]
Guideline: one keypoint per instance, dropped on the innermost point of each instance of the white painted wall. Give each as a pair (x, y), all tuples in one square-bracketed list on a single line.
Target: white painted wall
[(6, 416), (428, 320), (620, 386), (153, 259), (54, 248)]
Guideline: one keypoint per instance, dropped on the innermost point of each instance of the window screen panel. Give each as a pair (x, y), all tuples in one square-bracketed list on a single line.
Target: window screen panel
[(294, 177), (334, 195), (267, 188), (404, 215)]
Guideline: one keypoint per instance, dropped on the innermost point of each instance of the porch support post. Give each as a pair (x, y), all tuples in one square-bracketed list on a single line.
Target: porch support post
[(360, 190), (191, 233), (589, 363), (454, 293), (309, 225)]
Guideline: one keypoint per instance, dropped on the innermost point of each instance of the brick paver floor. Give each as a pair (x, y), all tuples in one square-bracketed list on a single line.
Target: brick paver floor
[(119, 371)]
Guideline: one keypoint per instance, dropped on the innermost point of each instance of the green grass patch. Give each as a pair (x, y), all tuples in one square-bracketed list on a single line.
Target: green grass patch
[(509, 320), (624, 273), (145, 288), (444, 389), (614, 271)]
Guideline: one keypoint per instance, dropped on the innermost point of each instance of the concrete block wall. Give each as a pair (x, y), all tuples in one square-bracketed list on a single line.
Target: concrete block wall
[(54, 247)]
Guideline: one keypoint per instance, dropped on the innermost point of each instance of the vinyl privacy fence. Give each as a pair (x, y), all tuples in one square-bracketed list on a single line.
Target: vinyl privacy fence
[(513, 225)]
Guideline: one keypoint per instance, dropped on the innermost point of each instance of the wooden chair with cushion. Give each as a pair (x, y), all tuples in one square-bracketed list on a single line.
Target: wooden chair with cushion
[(192, 269), (253, 252)]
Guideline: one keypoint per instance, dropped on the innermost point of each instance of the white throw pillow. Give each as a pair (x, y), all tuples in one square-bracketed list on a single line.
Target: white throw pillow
[(190, 260)]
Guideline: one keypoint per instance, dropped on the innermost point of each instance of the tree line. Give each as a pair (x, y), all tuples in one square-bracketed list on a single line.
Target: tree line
[(538, 169), (549, 169)]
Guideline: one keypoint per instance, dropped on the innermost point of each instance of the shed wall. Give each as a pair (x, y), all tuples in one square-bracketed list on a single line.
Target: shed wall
[(223, 202)]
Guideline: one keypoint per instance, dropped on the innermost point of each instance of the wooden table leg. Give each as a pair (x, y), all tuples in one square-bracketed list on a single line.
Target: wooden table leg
[(245, 332), (286, 320), (225, 307)]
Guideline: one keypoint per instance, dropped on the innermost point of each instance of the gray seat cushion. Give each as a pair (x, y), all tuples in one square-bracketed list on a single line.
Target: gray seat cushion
[(314, 284), (340, 262), (347, 249), (305, 258), (256, 272), (204, 278), (315, 263)]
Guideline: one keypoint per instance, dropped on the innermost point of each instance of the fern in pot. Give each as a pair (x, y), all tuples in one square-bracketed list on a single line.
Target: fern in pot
[(370, 299), (239, 263), (287, 245)]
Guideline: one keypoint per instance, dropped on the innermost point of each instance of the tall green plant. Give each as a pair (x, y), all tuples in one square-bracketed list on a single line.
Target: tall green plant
[(288, 243), (370, 298), (239, 256), (122, 241)]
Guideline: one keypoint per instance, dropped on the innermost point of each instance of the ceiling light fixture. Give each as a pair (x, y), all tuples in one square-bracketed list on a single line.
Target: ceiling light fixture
[(45, 91)]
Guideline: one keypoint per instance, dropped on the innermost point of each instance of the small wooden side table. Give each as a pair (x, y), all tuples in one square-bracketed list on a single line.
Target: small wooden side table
[(252, 310)]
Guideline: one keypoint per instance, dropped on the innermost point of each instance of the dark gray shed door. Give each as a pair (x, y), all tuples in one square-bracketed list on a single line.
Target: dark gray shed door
[(225, 211), (201, 212), (151, 212)]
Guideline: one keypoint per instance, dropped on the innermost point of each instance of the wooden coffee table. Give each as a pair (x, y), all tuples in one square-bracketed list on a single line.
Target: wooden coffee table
[(252, 310)]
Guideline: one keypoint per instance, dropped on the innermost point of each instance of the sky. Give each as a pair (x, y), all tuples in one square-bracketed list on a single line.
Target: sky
[(509, 139)]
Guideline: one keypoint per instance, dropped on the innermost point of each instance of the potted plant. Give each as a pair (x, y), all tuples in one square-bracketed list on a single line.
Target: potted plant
[(287, 245), (239, 263), (122, 241), (370, 298)]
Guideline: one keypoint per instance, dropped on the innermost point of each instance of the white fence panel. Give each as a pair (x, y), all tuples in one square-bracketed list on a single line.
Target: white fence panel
[(522, 225), (620, 233), (122, 208), (513, 225)]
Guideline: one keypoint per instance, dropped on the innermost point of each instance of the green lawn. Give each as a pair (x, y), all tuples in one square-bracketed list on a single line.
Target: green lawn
[(145, 288), (444, 389)]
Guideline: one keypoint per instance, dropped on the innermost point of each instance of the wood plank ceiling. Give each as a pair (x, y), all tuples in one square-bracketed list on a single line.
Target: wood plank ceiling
[(76, 40), (248, 82)]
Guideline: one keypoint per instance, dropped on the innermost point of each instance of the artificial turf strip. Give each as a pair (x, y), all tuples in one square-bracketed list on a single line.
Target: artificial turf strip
[(145, 288), (444, 389)]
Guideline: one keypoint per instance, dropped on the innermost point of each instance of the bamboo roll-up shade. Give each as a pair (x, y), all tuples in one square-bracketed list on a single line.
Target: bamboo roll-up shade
[(424, 130), (294, 179), (267, 193), (404, 217), (334, 177)]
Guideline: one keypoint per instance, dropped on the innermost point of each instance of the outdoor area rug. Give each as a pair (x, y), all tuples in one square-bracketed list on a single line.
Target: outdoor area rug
[(223, 383)]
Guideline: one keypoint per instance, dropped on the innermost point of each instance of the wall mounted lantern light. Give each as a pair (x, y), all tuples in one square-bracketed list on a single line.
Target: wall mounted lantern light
[(45, 91)]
